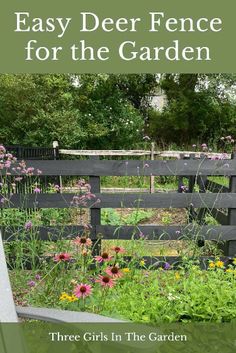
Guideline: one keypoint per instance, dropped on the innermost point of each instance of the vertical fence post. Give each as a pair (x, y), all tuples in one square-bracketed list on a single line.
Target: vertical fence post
[(56, 156), (95, 213), (191, 183), (231, 248), (202, 183), (152, 178), (180, 178)]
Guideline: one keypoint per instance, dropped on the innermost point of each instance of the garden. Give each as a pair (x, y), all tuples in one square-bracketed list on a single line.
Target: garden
[(86, 234), (114, 277)]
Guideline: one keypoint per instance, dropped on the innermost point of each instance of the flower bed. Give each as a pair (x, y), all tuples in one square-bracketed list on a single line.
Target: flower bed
[(184, 294)]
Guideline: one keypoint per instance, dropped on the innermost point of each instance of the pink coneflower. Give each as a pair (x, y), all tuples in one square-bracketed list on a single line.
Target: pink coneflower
[(82, 290), (104, 257), (83, 241), (106, 281), (62, 257), (118, 249), (114, 271)]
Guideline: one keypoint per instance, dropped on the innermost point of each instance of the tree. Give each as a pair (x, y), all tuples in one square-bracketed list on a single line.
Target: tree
[(89, 113), (199, 107)]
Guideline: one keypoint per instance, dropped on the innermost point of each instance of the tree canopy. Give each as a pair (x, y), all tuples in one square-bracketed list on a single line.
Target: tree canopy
[(115, 111)]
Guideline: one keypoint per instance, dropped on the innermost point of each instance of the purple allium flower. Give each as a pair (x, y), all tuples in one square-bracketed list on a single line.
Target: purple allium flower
[(28, 225), (37, 190), (92, 280), (194, 146), (167, 266), (31, 284), (141, 235), (184, 188)]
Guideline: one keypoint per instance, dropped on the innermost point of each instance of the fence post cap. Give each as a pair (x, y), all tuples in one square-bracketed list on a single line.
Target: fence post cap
[(55, 144)]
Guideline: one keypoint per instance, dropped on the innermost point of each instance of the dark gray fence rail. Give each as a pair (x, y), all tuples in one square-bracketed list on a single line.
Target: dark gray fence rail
[(196, 171), (134, 168), (151, 232)]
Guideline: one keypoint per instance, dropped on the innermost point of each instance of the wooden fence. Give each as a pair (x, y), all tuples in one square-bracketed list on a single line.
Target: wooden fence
[(211, 198), (55, 153)]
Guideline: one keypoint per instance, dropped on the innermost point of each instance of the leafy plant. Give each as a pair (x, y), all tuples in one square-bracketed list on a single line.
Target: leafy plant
[(112, 217)]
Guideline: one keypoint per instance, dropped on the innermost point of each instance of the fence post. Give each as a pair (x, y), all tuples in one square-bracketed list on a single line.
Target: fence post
[(231, 246), (202, 183), (55, 146), (56, 156), (95, 213), (191, 183), (152, 178), (180, 178)]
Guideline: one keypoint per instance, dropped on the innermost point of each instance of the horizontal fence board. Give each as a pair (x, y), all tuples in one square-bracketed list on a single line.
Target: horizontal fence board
[(154, 232), (177, 154), (164, 154), (105, 152), (133, 168), (159, 200), (106, 232), (44, 233)]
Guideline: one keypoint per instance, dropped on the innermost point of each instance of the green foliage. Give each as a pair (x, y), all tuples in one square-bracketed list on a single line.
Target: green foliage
[(174, 297), (79, 112), (112, 217), (197, 110), (113, 111)]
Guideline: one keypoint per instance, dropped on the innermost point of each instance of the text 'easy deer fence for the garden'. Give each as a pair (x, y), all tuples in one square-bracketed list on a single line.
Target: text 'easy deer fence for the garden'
[(200, 197)]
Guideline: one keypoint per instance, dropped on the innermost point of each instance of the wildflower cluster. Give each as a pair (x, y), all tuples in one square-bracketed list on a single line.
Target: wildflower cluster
[(68, 298), (216, 264), (227, 139), (32, 283), (10, 167), (105, 276), (84, 195)]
